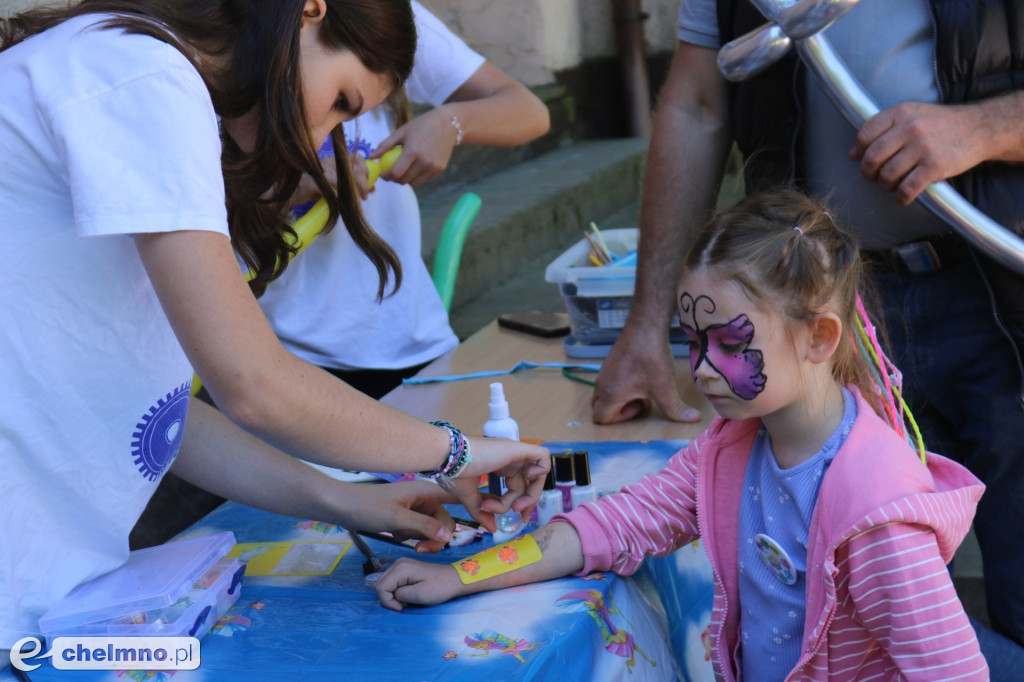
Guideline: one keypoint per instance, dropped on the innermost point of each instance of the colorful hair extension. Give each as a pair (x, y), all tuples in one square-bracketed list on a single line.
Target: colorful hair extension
[(888, 380)]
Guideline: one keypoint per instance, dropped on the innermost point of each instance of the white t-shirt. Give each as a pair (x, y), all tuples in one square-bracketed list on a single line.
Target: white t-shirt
[(889, 48), (324, 307), (102, 134)]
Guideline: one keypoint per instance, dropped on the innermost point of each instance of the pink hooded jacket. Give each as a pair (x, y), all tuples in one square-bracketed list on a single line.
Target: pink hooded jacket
[(880, 602)]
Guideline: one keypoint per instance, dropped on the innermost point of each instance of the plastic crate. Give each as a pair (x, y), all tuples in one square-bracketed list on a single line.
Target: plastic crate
[(597, 299), (178, 589)]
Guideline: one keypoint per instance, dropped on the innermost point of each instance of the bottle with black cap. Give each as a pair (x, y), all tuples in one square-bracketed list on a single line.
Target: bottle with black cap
[(584, 490), (565, 478), (550, 502)]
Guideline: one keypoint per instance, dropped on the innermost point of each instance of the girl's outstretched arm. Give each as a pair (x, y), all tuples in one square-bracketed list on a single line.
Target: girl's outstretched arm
[(411, 582), (296, 406), (219, 457)]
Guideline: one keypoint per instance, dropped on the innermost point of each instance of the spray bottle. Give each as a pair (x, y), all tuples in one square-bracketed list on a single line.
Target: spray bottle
[(500, 425)]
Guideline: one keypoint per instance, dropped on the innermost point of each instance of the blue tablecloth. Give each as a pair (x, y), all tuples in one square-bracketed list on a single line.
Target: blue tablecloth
[(600, 627)]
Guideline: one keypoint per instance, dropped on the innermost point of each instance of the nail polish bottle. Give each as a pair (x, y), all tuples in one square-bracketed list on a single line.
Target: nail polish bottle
[(565, 478), (550, 502), (510, 523), (584, 490)]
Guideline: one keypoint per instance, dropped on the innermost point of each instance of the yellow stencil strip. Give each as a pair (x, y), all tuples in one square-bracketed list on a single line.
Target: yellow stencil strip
[(508, 556)]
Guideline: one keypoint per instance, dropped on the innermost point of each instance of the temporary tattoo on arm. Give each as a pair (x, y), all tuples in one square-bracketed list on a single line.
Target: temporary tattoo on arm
[(502, 558)]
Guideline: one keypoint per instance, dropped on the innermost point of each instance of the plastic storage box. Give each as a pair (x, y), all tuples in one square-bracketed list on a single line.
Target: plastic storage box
[(597, 299), (178, 589)]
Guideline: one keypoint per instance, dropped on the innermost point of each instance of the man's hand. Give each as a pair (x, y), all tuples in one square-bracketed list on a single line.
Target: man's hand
[(909, 146), (640, 368)]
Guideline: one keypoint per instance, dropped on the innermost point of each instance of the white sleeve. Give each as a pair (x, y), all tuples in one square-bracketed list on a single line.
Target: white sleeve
[(443, 61), (698, 23), (144, 156)]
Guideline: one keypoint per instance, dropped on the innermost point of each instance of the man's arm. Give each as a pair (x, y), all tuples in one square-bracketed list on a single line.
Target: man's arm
[(907, 147), (685, 163)]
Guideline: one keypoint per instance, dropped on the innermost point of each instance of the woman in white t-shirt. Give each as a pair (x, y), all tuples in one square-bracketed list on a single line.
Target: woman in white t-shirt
[(118, 195), (325, 308)]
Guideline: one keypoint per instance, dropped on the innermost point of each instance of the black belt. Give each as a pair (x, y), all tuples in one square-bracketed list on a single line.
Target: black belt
[(920, 257)]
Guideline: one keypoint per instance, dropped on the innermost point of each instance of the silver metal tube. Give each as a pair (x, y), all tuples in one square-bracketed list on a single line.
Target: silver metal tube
[(857, 106)]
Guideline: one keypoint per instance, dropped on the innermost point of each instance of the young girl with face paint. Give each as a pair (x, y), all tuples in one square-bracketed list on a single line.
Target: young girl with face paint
[(828, 536)]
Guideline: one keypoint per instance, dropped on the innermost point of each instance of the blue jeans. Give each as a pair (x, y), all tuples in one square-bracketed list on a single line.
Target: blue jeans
[(963, 381)]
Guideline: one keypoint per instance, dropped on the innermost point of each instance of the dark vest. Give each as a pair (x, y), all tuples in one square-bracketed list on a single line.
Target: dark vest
[(979, 50), (979, 53)]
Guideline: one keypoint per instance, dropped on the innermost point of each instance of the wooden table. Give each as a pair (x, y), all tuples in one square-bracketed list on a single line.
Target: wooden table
[(547, 405)]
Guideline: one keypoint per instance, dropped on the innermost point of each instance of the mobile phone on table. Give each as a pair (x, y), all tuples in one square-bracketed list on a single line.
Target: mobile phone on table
[(536, 323)]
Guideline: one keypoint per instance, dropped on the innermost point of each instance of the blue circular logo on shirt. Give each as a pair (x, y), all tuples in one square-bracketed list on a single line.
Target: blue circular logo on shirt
[(156, 442)]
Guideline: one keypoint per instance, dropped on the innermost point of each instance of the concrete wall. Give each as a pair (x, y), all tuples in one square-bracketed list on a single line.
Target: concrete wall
[(532, 40)]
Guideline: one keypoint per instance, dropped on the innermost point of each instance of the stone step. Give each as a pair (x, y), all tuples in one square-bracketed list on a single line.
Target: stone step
[(537, 207)]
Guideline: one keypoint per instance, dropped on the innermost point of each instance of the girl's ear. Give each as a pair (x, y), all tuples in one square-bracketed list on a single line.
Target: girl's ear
[(826, 330), (314, 11)]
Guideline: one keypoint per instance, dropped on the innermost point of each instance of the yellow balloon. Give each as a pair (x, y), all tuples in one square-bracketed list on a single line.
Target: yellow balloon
[(375, 167)]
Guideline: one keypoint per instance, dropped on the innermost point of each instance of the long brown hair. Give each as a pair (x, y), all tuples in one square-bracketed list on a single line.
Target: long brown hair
[(786, 251), (258, 42)]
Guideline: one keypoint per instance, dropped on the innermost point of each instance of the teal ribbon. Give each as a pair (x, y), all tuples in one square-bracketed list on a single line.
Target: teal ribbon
[(524, 365)]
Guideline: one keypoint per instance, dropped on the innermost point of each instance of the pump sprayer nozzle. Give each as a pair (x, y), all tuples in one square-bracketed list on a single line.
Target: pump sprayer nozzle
[(498, 407)]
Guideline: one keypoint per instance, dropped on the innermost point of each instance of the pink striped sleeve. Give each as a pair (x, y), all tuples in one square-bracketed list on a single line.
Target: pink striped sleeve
[(654, 516), (903, 595)]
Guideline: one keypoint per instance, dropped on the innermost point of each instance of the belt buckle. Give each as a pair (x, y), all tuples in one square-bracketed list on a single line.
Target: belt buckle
[(919, 257)]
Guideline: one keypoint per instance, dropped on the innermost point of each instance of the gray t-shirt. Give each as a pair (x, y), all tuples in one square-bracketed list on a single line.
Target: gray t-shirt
[(888, 46)]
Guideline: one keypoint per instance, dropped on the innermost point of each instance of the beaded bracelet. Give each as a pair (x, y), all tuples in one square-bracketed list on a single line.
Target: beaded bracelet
[(458, 130), (459, 457)]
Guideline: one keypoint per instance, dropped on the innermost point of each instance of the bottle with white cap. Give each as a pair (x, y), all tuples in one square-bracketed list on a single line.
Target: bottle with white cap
[(584, 490), (550, 502), (500, 425)]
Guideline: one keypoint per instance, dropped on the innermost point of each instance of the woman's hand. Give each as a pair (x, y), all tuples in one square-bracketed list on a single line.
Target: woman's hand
[(406, 509), (427, 142), (524, 467), (408, 581)]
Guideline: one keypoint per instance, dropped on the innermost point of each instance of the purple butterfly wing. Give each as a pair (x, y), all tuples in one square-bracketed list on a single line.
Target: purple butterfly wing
[(740, 368)]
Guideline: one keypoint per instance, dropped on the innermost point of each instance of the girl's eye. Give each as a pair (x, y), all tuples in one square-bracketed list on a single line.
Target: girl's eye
[(342, 105), (731, 348)]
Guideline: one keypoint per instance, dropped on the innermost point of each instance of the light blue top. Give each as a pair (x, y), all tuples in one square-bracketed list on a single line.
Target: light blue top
[(775, 514)]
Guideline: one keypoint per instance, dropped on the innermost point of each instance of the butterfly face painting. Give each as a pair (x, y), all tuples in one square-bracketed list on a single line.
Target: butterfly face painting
[(724, 347)]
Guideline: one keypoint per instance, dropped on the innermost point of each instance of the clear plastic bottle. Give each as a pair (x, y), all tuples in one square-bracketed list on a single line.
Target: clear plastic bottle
[(500, 425)]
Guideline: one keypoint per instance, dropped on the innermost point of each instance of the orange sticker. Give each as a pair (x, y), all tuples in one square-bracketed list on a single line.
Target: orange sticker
[(508, 556)]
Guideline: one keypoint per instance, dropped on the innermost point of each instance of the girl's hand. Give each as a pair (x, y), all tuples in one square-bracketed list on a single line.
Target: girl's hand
[(307, 190), (408, 581), (427, 142), (407, 509), (361, 175), (524, 467)]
